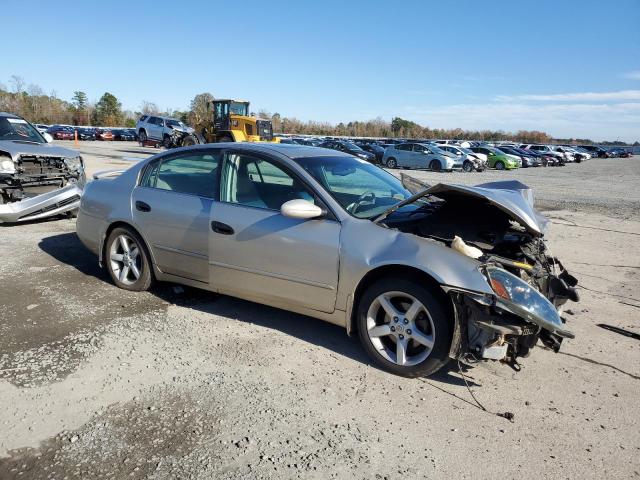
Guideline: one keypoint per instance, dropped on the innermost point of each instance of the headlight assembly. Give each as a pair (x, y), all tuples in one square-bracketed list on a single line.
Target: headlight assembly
[(7, 166), (520, 298), (74, 163)]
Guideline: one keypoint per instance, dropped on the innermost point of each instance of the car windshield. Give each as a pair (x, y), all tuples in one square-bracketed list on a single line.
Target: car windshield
[(466, 150), (437, 150), (362, 189), (352, 146), (236, 108), (19, 129), (173, 123)]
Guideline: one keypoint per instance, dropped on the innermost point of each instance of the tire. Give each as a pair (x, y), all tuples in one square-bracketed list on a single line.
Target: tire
[(435, 165), (166, 141), (429, 325), (499, 165), (116, 261), (190, 140), (468, 166), (225, 138), (392, 162), (142, 136)]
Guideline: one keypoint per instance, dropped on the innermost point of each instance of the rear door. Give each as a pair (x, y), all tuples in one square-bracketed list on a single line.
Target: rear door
[(172, 206), (256, 252)]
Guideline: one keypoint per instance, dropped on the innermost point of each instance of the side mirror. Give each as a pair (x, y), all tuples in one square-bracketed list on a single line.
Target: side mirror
[(301, 209), (47, 137)]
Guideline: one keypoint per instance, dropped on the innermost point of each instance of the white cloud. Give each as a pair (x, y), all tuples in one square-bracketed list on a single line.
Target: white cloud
[(632, 75), (621, 96), (578, 120)]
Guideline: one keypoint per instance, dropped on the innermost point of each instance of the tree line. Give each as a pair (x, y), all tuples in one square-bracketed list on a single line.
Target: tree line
[(32, 103)]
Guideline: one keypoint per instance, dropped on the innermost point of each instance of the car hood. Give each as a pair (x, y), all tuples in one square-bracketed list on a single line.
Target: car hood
[(512, 197), (16, 148)]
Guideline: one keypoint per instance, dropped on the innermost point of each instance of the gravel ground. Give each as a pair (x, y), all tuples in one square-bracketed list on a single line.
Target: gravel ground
[(97, 382)]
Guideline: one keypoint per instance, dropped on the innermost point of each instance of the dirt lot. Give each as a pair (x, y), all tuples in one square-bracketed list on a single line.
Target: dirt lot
[(96, 382)]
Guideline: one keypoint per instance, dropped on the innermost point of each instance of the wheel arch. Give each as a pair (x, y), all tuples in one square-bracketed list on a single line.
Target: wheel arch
[(399, 271)]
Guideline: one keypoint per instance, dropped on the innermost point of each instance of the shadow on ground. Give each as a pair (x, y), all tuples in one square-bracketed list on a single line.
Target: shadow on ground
[(67, 249)]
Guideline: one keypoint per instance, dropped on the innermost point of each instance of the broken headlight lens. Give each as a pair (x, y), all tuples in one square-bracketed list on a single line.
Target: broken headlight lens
[(74, 163), (7, 166), (520, 298)]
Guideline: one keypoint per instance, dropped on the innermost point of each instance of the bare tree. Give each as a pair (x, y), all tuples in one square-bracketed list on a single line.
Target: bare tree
[(17, 83), (149, 108)]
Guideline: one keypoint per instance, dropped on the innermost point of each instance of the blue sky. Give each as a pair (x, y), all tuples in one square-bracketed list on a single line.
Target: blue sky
[(571, 68)]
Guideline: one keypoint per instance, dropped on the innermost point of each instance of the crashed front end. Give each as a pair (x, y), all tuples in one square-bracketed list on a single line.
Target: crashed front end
[(35, 185), (497, 225)]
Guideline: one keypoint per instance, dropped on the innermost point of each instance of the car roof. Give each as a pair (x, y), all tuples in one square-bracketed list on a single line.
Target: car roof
[(291, 150), (8, 115)]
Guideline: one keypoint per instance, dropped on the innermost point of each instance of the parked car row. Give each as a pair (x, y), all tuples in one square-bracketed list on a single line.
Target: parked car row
[(469, 156), (68, 132)]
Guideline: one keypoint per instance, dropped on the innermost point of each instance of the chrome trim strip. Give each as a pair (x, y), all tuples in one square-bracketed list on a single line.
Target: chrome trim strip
[(273, 275)]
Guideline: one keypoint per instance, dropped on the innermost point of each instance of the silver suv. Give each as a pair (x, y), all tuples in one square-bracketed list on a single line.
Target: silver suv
[(155, 127)]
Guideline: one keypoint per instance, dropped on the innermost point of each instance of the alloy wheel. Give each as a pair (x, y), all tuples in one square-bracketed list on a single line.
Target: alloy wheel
[(125, 259), (400, 328)]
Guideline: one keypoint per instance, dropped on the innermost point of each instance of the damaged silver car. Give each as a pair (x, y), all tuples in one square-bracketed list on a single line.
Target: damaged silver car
[(421, 273), (37, 179)]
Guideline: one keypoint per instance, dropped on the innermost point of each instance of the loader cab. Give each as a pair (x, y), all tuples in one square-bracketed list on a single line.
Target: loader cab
[(222, 111)]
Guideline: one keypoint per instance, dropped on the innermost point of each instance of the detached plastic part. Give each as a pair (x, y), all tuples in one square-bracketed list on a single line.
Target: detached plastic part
[(459, 246)]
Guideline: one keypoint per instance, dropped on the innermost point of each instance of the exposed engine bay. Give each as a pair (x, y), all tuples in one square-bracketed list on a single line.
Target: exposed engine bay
[(496, 224), (35, 175), (38, 181)]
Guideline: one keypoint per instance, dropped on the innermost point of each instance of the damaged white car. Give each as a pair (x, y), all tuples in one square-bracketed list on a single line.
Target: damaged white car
[(448, 272), (37, 179)]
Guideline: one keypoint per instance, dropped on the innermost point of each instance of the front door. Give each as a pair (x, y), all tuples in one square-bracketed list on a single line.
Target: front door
[(172, 207), (258, 253)]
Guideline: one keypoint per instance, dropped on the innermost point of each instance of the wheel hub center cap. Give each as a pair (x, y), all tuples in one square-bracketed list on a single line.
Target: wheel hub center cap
[(399, 329)]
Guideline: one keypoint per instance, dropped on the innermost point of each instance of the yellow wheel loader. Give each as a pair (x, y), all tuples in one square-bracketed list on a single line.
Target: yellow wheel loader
[(229, 121)]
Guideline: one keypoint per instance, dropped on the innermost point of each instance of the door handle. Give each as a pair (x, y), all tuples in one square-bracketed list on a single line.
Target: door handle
[(143, 207), (222, 228)]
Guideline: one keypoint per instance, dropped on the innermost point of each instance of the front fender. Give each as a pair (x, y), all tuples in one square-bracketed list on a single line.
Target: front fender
[(367, 246)]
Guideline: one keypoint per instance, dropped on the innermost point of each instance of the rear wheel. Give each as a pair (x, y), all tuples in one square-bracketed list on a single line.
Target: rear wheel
[(435, 165), (404, 328), (127, 260), (392, 163), (499, 165)]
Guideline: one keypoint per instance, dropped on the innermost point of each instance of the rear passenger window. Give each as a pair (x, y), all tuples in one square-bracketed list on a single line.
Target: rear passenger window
[(193, 174)]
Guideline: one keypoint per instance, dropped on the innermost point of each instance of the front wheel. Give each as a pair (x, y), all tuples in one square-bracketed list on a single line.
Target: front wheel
[(468, 166), (127, 260), (403, 327), (435, 165), (190, 140), (499, 165), (392, 163), (142, 136)]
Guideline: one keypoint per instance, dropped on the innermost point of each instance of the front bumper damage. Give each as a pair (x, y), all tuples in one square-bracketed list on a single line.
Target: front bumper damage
[(48, 204)]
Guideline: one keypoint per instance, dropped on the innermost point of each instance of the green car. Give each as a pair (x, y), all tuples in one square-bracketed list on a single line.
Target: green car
[(497, 159)]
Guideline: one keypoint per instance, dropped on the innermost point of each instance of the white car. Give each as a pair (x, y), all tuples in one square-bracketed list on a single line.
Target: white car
[(471, 160), (568, 152), (547, 150)]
